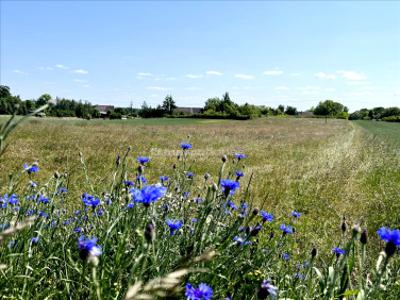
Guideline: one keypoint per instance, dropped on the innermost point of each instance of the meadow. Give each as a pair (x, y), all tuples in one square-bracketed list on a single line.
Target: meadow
[(335, 174)]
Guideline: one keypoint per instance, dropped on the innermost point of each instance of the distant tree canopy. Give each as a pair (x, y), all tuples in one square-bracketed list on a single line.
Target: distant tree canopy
[(331, 108), (390, 114), (10, 104), (169, 105), (215, 107)]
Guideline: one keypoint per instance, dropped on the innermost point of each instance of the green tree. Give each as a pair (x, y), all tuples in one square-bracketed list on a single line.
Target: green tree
[(291, 110), (281, 109), (43, 100), (330, 108), (169, 104), (213, 105), (4, 91)]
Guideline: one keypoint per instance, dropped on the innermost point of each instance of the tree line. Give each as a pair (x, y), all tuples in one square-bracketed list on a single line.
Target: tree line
[(389, 114), (220, 108)]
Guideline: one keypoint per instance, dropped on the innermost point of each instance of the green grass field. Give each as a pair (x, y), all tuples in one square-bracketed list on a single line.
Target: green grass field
[(326, 171)]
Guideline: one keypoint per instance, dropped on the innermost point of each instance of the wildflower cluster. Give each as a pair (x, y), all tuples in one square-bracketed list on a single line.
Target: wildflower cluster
[(174, 235)]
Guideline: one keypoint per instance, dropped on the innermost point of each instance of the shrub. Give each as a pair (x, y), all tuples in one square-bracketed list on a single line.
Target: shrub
[(391, 119)]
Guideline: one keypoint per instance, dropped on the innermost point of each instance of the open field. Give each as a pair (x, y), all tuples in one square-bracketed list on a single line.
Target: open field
[(326, 171)]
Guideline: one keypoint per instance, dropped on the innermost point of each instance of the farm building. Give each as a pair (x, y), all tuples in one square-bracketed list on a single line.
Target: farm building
[(103, 109), (187, 110)]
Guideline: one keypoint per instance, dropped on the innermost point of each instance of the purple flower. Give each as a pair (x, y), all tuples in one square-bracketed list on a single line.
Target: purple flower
[(231, 205), (240, 156), (186, 146), (34, 168), (267, 289), (202, 292), (174, 225), (88, 247), (148, 194), (128, 183), (296, 214), (141, 178), (338, 251), (163, 178), (285, 256), (90, 200), (241, 241), (12, 199), (267, 217), (392, 239), (34, 240), (189, 175), (229, 186), (389, 235), (287, 229), (43, 199), (143, 160), (239, 174)]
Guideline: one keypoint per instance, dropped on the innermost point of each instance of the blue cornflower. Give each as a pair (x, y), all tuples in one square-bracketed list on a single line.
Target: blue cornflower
[(12, 199), (243, 209), (229, 186), (77, 212), (267, 289), (267, 217), (142, 160), (173, 225), (88, 247), (296, 214), (186, 146), (287, 229), (62, 190), (141, 178), (34, 168), (389, 235), (90, 200), (130, 205), (243, 242), (107, 200), (128, 183), (78, 229), (231, 205), (194, 220), (338, 251), (148, 194), (189, 175), (33, 184), (30, 212), (285, 256), (99, 212), (43, 199), (34, 240), (392, 238), (68, 221), (239, 174), (43, 214), (198, 200), (163, 178), (240, 156), (202, 292)]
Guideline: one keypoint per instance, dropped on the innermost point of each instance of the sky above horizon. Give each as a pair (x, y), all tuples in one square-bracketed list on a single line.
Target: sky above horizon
[(265, 53)]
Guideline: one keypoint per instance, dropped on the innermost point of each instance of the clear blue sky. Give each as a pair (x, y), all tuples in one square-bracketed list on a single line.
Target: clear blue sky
[(294, 53)]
